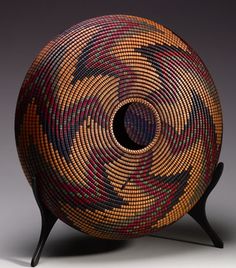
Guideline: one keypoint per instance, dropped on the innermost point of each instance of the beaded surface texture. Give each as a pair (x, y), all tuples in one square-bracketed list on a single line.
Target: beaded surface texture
[(120, 122)]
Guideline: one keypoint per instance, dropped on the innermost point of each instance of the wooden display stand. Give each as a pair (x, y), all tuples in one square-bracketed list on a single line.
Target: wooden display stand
[(198, 212)]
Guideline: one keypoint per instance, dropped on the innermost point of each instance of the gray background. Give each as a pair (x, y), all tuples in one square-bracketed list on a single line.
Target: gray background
[(26, 26)]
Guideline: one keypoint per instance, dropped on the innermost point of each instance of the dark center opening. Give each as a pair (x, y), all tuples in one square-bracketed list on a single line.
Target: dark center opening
[(134, 125)]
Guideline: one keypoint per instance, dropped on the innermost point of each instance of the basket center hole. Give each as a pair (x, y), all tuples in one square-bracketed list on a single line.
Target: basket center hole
[(134, 125)]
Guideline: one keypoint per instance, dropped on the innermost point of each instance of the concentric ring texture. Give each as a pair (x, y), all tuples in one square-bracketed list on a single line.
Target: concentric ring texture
[(120, 122)]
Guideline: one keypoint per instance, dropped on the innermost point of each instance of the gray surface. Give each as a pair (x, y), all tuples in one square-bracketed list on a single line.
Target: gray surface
[(26, 26)]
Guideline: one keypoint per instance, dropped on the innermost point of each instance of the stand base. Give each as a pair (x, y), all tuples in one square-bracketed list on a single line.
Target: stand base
[(198, 213), (48, 221)]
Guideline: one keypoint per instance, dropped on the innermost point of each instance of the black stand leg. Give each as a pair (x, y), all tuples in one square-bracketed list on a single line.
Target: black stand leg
[(198, 212), (48, 220)]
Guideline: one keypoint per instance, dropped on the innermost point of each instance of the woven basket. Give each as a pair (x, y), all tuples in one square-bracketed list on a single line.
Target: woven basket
[(120, 122)]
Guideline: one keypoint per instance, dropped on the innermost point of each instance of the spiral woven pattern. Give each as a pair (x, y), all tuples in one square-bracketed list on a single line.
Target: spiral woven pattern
[(120, 122)]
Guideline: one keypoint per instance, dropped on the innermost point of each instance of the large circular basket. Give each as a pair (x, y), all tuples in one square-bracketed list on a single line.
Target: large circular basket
[(119, 121)]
